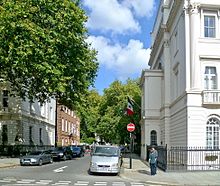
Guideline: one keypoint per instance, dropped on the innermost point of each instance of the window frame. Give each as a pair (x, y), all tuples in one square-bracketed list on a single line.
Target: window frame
[(153, 137), (5, 98), (213, 13), (212, 142), (209, 85)]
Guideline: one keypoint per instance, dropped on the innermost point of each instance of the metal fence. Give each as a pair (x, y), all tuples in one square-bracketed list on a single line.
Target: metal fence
[(187, 158), (20, 150)]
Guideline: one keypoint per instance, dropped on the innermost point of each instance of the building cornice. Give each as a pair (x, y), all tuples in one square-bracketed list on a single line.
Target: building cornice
[(150, 73), (157, 43), (164, 28), (173, 12)]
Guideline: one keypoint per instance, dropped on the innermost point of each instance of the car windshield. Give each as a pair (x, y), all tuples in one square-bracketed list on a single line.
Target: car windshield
[(106, 151), (35, 153), (58, 148), (76, 148)]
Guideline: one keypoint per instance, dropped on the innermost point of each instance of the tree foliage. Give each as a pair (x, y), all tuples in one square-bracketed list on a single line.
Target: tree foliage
[(89, 114), (113, 109), (105, 115), (43, 49)]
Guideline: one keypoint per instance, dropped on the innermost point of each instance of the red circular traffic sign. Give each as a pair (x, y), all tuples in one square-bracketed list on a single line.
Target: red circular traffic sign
[(131, 127)]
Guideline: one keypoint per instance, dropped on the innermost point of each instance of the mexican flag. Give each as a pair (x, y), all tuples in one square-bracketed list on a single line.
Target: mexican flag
[(129, 109)]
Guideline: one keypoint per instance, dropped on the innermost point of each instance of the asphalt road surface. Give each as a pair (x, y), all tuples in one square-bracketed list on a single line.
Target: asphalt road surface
[(70, 172)]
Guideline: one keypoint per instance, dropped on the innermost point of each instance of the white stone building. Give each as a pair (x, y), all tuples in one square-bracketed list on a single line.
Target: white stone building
[(181, 90), (22, 122)]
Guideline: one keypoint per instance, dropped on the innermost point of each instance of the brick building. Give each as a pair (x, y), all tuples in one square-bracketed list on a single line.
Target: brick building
[(68, 127)]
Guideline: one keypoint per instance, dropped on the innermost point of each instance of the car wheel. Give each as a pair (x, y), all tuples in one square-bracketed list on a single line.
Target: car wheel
[(40, 162), (90, 173)]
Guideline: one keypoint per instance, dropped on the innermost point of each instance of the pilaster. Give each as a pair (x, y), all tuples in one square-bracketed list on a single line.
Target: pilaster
[(192, 9)]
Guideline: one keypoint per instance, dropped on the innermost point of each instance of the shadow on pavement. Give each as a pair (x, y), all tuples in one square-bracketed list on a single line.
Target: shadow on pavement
[(144, 172)]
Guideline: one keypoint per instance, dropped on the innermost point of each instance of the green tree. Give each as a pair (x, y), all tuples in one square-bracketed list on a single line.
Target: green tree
[(43, 49), (89, 116), (113, 122), (105, 115)]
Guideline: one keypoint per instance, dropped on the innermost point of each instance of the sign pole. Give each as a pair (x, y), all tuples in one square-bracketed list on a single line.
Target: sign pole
[(131, 128), (130, 151)]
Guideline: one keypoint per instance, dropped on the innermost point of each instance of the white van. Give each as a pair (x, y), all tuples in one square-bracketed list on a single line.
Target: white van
[(105, 159)]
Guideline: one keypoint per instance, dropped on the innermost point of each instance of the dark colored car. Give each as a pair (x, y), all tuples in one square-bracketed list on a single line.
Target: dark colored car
[(62, 153), (37, 158), (77, 151)]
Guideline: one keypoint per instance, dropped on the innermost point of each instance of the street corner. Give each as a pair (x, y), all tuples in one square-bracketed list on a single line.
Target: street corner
[(9, 162), (8, 165)]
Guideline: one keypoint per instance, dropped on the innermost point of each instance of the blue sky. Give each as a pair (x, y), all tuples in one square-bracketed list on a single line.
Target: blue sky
[(120, 31)]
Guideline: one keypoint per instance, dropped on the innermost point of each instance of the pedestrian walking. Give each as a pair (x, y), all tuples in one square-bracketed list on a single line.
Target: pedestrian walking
[(153, 161)]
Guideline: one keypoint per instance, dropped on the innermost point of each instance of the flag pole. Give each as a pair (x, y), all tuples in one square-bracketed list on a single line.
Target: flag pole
[(134, 102)]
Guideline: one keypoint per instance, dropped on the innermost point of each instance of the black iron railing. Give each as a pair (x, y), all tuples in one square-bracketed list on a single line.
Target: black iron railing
[(188, 158), (20, 150)]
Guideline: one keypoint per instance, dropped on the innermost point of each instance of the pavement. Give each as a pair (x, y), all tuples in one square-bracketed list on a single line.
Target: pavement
[(139, 171)]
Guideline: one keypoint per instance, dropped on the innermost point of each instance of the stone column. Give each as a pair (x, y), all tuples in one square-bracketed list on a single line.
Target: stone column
[(167, 87), (194, 28)]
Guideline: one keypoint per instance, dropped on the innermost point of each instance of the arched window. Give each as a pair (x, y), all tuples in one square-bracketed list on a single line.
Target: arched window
[(153, 137), (212, 133)]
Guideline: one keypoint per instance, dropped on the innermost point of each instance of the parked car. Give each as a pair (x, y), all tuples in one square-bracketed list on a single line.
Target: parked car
[(105, 159), (77, 151), (62, 153), (87, 149), (37, 158)]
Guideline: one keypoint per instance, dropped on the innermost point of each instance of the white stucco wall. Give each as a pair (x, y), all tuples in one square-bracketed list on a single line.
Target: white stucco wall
[(183, 52)]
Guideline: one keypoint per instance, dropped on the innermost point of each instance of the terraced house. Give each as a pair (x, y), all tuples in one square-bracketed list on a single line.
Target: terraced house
[(67, 127), (25, 123), (181, 90)]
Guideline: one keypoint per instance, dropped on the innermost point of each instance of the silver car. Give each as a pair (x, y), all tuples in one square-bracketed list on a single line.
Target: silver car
[(105, 159), (37, 158)]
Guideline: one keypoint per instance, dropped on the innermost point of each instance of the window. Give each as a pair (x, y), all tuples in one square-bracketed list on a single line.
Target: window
[(153, 137), (63, 125), (209, 26), (40, 136), (210, 78), (66, 126), (4, 134), (5, 98), (51, 113), (212, 133), (69, 127), (62, 142), (43, 109), (30, 136)]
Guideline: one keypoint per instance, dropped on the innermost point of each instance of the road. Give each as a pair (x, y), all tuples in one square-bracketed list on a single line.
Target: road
[(71, 172)]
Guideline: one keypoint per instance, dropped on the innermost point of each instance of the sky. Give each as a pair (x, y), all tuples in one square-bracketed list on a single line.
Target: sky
[(120, 31)]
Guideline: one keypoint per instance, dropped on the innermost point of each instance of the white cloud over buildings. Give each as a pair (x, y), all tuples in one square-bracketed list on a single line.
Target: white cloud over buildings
[(112, 19)]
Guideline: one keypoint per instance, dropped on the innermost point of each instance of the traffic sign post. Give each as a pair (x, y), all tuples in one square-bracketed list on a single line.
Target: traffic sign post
[(131, 128)]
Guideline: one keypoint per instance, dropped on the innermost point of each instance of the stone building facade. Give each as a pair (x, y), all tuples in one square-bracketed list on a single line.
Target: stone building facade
[(181, 90), (22, 122)]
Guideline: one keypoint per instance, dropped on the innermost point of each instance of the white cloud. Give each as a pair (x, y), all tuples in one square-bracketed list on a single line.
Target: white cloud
[(124, 60), (110, 15), (141, 8)]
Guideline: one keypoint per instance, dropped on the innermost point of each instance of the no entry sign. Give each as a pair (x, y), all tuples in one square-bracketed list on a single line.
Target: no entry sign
[(131, 127)]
